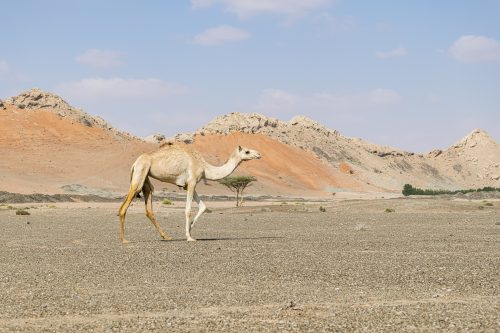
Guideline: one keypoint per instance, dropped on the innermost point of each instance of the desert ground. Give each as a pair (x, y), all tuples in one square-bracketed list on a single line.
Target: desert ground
[(431, 265)]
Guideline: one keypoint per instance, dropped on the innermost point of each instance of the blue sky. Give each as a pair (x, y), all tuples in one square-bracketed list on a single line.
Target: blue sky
[(416, 75)]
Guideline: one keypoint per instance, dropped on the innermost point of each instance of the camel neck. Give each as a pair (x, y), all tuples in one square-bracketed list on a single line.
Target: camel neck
[(218, 172)]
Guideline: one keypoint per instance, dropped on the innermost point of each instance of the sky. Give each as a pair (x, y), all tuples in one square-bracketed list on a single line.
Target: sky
[(416, 75)]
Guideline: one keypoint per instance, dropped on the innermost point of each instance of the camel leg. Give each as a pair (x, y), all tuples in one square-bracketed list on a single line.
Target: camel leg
[(132, 192), (147, 190), (201, 208), (139, 174), (189, 200)]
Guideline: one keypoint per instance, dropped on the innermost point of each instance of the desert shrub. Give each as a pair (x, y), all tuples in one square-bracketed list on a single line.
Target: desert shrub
[(167, 202), (488, 204), (408, 189), (22, 212), (322, 209), (389, 210)]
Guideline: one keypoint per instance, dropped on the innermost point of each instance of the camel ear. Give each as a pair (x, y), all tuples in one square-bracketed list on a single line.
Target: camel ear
[(239, 148)]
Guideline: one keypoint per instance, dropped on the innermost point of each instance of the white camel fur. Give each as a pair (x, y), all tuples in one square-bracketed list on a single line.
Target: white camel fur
[(180, 165)]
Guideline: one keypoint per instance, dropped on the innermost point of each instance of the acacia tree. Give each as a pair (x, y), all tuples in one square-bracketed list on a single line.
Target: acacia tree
[(238, 184)]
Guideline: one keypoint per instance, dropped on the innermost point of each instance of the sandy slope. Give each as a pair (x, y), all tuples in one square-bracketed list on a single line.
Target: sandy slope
[(41, 152)]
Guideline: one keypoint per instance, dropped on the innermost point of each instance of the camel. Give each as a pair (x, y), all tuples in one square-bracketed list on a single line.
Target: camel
[(180, 165)]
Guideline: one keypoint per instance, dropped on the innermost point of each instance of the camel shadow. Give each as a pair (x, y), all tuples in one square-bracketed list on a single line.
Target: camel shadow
[(208, 239), (236, 238), (223, 239)]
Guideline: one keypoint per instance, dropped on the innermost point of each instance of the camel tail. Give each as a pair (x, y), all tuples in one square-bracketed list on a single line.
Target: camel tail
[(139, 173), (138, 195)]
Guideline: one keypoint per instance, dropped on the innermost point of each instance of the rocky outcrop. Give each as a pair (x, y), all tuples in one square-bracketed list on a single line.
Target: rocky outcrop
[(159, 138), (37, 99), (182, 137), (2, 106), (258, 123), (434, 153), (239, 122), (290, 132), (477, 138), (155, 138)]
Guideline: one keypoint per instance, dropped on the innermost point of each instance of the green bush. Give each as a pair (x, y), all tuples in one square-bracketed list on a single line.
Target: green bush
[(22, 212), (167, 202), (389, 210), (410, 190), (322, 209)]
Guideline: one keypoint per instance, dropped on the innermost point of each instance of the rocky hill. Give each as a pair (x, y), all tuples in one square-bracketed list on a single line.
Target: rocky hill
[(472, 162), (36, 99), (48, 146)]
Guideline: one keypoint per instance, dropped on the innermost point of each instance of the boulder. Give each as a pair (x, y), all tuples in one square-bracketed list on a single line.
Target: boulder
[(155, 138)]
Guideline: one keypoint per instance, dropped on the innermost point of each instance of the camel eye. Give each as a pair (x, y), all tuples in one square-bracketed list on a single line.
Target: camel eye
[(247, 152)]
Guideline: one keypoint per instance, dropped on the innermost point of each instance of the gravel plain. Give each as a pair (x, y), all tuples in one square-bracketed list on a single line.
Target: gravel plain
[(431, 265)]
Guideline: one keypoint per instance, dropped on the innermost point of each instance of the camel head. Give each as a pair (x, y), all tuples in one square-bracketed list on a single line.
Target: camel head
[(247, 154)]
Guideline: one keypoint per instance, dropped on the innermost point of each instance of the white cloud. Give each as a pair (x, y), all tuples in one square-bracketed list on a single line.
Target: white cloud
[(247, 8), (397, 52), (103, 59), (4, 66), (473, 49), (95, 89), (220, 35)]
